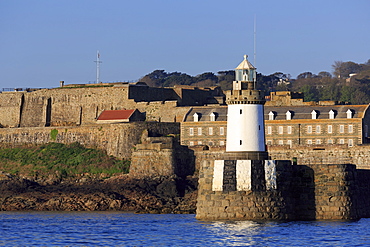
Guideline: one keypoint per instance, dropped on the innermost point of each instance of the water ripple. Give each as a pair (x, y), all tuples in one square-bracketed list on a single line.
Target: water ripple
[(127, 229)]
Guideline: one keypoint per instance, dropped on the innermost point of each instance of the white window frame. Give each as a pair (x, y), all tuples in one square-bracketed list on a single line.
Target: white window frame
[(200, 143), (350, 142), (350, 128), (281, 142), (318, 141), (191, 143), (222, 131), (222, 143), (309, 141), (269, 130), (281, 130), (309, 129), (191, 131), (330, 141), (210, 131), (318, 129), (341, 128), (341, 141), (199, 131), (289, 130), (330, 129)]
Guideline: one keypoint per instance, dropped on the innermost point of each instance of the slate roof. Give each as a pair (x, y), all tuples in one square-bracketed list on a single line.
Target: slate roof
[(205, 112), (304, 112), (116, 114), (298, 112)]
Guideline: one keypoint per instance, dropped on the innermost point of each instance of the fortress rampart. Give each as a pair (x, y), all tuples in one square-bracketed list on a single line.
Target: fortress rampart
[(74, 106), (117, 139)]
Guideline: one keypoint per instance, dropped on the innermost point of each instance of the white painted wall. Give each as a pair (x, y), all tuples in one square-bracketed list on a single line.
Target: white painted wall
[(245, 123)]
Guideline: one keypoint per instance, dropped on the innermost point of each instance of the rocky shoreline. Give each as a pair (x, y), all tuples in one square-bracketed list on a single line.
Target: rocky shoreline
[(121, 193)]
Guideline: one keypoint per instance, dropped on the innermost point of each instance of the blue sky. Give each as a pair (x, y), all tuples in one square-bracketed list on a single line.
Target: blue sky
[(46, 41)]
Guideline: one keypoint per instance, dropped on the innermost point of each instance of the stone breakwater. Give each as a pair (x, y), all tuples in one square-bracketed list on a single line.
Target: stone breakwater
[(124, 193)]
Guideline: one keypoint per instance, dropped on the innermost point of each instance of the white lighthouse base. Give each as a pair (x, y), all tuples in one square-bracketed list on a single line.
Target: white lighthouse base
[(244, 175)]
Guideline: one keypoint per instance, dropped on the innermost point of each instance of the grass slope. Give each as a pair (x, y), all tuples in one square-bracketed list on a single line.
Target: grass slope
[(56, 158)]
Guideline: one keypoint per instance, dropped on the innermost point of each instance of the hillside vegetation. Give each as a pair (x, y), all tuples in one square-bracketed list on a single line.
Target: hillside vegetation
[(62, 161), (324, 86)]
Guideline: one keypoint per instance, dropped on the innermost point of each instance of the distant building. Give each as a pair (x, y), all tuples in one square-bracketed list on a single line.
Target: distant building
[(295, 124), (120, 116)]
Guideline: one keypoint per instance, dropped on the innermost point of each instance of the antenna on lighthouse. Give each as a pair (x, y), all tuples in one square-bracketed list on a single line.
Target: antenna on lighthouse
[(98, 62)]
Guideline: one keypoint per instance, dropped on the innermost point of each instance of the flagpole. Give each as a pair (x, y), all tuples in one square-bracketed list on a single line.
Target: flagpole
[(98, 62)]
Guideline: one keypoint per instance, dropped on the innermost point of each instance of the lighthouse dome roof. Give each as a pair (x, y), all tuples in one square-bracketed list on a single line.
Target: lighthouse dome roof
[(245, 64)]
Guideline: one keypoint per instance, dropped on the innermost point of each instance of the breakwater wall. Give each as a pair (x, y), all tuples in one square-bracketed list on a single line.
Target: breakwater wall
[(116, 139), (302, 155), (303, 192)]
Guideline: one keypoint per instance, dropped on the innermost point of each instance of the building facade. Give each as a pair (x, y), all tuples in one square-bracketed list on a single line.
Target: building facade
[(284, 125)]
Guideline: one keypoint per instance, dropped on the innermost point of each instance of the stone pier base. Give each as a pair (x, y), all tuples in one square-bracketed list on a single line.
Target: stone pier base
[(278, 190)]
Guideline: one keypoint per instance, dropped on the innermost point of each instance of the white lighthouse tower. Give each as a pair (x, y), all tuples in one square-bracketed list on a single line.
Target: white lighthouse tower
[(245, 120)]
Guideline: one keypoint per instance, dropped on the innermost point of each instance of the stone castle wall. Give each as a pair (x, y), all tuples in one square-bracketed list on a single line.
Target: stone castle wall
[(72, 106), (117, 139), (324, 154)]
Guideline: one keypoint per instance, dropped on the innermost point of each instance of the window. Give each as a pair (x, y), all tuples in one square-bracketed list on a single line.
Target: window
[(309, 141), (318, 141), (341, 128), (309, 129), (212, 117), (318, 129), (289, 129), (281, 142), (330, 141), (241, 111), (269, 130), (331, 114), (349, 113), (196, 117), (210, 131), (281, 130), (314, 114), (269, 142), (241, 142), (330, 129), (199, 131), (288, 115), (191, 131), (271, 115), (191, 143), (350, 128), (350, 142), (341, 141), (222, 143), (289, 142), (222, 131)]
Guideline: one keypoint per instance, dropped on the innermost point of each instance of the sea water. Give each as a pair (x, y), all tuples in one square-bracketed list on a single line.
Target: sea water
[(128, 229)]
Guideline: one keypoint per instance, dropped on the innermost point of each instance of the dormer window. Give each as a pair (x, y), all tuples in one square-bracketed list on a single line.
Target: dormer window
[(288, 115), (196, 117), (349, 113), (331, 114), (314, 114), (212, 116), (271, 115)]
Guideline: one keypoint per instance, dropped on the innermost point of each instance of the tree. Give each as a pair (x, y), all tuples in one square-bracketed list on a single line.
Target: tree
[(343, 69), (325, 74), (305, 75)]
